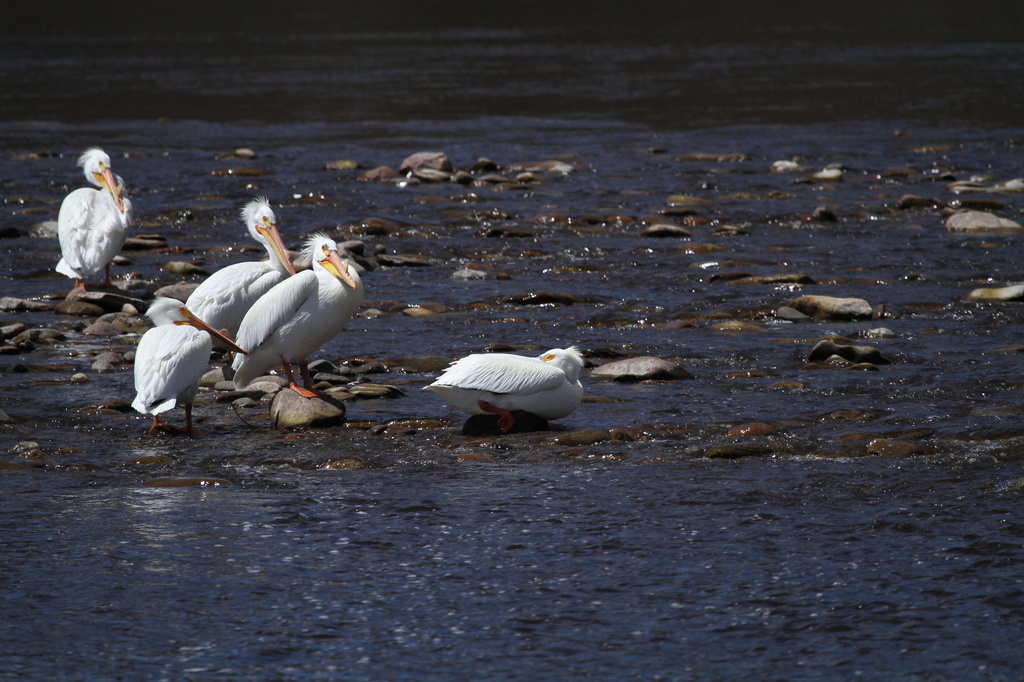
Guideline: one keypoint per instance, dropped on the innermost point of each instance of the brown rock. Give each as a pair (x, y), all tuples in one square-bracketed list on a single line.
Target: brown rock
[(289, 410)]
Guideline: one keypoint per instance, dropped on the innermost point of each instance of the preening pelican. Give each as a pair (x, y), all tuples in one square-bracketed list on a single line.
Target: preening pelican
[(299, 315), (93, 223), (547, 386), (226, 296), (171, 359)]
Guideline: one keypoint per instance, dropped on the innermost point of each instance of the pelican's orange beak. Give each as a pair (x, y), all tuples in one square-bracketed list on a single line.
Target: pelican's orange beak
[(333, 264), (269, 231), (217, 335), (107, 182)]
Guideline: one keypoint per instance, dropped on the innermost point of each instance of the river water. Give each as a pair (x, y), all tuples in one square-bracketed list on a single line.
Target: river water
[(395, 547)]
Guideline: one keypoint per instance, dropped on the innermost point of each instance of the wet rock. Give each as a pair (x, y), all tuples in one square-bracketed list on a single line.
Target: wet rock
[(184, 269), (39, 337), (469, 275), (44, 230), (180, 291), (582, 437), (487, 424), (554, 167), (79, 378), (540, 298), (111, 302), (8, 331), (79, 308), (99, 328), (380, 174), (867, 354), (404, 260), (786, 166), (829, 174), (713, 157), (342, 165), (185, 482), (416, 311), (640, 369), (791, 314), (884, 447), (289, 410), (663, 230), (737, 450), (10, 304), (372, 391), (147, 242), (979, 221), (735, 326), (426, 160), (754, 429), (266, 386), (1010, 293), (786, 278), (878, 333), (832, 308), (911, 201)]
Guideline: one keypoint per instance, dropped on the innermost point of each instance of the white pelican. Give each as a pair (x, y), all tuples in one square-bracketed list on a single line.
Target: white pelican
[(171, 358), (547, 386), (226, 296), (298, 316), (93, 223)]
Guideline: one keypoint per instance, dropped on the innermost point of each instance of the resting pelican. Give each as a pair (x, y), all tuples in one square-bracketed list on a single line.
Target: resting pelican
[(547, 386), (171, 359), (93, 223), (298, 316), (226, 296)]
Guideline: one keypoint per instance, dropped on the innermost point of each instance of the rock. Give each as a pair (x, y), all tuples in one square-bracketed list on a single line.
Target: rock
[(289, 410), (404, 260), (824, 175), (469, 275), (183, 269), (825, 349), (185, 482), (371, 391), (979, 221), (10, 303), (99, 328), (754, 429), (640, 369), (662, 230), (79, 378), (791, 314), (341, 165), (582, 437), (487, 424), (1010, 293), (831, 308), (911, 201), (430, 160), (737, 450), (44, 230), (786, 166), (180, 291), (885, 447), (380, 174), (540, 298), (79, 308), (111, 302), (40, 336), (416, 311)]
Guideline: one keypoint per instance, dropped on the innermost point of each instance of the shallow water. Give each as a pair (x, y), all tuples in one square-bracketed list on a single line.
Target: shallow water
[(420, 553)]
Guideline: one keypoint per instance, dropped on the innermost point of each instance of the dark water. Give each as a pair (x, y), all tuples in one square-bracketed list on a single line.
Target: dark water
[(443, 557)]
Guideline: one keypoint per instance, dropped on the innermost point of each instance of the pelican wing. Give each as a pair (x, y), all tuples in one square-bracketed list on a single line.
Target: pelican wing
[(502, 373), (170, 360), (276, 308), (225, 296)]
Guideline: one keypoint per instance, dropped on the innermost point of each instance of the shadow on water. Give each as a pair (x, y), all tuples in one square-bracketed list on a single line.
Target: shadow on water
[(395, 547)]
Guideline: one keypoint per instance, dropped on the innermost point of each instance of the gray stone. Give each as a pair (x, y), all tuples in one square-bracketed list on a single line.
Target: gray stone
[(832, 308), (640, 369), (979, 221), (289, 410)]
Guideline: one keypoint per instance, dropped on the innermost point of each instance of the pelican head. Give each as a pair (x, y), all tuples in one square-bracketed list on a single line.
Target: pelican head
[(95, 164), (166, 310), (569, 360), (321, 250), (262, 225)]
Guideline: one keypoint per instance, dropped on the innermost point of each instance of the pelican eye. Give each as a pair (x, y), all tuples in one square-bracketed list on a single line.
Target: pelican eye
[(549, 357)]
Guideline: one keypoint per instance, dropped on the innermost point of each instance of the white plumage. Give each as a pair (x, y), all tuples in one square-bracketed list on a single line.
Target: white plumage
[(93, 223), (547, 386), (171, 359), (291, 321), (224, 298)]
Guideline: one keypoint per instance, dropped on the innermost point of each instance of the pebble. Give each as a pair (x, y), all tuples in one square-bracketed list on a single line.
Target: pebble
[(884, 447), (11, 304), (184, 268), (1010, 293), (79, 378), (429, 160), (640, 369), (737, 450), (753, 429), (469, 275), (588, 436), (832, 308), (979, 221), (825, 349)]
